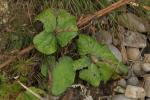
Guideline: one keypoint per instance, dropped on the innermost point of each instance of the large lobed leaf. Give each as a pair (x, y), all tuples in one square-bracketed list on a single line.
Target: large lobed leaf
[(62, 25), (63, 75), (66, 27), (88, 45), (45, 42)]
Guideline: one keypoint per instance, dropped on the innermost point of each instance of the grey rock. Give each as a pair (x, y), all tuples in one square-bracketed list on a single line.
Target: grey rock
[(134, 39), (121, 97), (133, 80), (115, 52), (137, 68), (103, 37), (122, 83), (147, 86), (132, 22)]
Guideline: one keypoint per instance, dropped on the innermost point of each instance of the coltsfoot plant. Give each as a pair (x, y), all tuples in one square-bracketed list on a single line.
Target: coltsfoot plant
[(96, 62)]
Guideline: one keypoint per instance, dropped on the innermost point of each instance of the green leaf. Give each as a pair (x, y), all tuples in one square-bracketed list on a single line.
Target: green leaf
[(66, 21), (63, 75), (65, 37), (106, 71), (121, 69), (48, 18), (65, 30), (81, 63), (66, 27), (88, 45), (28, 96), (44, 69), (48, 63), (91, 75), (45, 42)]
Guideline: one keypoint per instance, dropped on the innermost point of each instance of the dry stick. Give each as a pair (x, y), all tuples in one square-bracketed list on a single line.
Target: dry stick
[(80, 23), (102, 12), (22, 52)]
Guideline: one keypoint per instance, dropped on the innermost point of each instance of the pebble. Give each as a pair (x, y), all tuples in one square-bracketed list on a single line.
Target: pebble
[(146, 67), (119, 89), (133, 80), (147, 57), (135, 92), (132, 22), (115, 52), (122, 83), (147, 86), (104, 37), (121, 97), (134, 39), (133, 53), (137, 68)]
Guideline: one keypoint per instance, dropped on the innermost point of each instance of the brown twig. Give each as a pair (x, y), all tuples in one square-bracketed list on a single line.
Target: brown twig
[(22, 52), (102, 12)]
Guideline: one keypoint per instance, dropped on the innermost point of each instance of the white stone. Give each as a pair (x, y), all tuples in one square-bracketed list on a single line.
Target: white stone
[(146, 67), (119, 89), (135, 92)]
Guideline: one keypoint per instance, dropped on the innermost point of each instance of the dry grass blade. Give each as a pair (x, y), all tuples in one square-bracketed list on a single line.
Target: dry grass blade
[(102, 12), (29, 90)]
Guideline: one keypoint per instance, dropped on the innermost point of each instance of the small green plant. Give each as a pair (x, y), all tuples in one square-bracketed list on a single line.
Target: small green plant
[(96, 62), (59, 29)]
